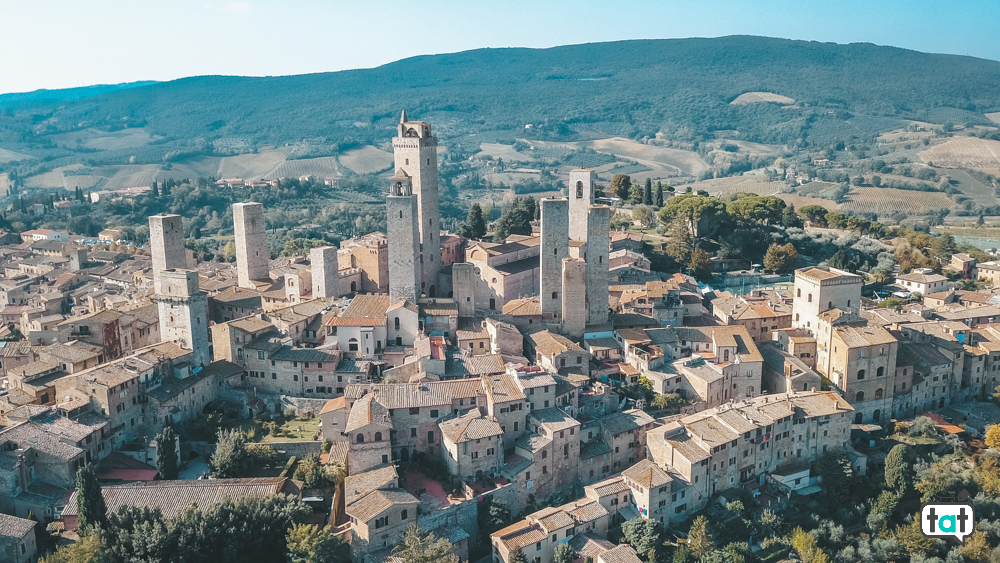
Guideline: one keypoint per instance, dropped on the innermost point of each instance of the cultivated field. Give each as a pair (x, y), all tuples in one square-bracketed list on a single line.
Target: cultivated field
[(663, 162), (9, 156), (972, 188), (497, 150), (51, 179), (367, 160), (250, 166), (323, 167), (750, 183), (755, 97), (816, 188), (965, 152), (994, 117), (113, 177), (886, 201), (800, 201), (104, 140)]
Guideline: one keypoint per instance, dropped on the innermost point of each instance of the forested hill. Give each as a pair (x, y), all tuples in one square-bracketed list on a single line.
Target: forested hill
[(69, 93), (682, 87)]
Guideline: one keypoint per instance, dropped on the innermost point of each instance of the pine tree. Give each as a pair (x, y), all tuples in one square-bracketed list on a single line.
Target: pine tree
[(659, 195), (166, 454), (647, 195), (90, 508), (518, 557), (475, 223), (423, 547), (700, 539), (896, 467)]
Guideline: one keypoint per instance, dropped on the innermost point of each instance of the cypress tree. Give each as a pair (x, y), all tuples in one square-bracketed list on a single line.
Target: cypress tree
[(155, 191), (647, 194), (166, 454), (659, 195), (90, 508)]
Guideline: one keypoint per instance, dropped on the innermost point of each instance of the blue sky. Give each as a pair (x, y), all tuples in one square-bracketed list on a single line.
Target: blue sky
[(64, 43)]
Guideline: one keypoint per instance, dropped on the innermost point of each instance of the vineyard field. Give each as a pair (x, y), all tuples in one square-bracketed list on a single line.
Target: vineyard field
[(10, 156), (965, 152), (367, 160), (750, 183), (250, 166), (323, 167), (885, 201)]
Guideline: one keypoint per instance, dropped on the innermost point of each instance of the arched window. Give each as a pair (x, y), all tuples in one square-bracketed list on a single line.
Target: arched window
[(829, 305), (878, 393), (861, 374), (805, 386), (378, 436), (725, 355), (858, 418), (396, 323), (545, 454), (860, 396), (402, 515), (810, 297), (796, 317), (352, 345), (798, 292), (354, 286), (579, 189), (361, 438), (876, 415), (880, 372), (239, 353)]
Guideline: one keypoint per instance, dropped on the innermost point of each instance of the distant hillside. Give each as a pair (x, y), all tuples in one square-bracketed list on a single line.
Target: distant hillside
[(682, 88), (69, 93)]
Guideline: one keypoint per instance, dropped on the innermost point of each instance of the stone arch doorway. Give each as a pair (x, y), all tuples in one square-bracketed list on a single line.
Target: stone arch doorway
[(432, 291), (404, 455)]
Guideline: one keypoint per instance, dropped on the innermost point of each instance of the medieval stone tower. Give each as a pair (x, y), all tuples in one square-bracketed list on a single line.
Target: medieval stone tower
[(402, 214), (463, 282), (574, 313), (252, 257), (166, 238), (553, 247), (598, 245), (324, 265), (581, 197), (415, 151), (183, 313)]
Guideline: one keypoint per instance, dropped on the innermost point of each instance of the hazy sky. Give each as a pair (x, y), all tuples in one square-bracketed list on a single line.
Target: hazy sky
[(64, 43)]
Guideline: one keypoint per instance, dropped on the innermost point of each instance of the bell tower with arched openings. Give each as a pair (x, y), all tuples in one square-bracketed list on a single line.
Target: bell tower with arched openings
[(403, 239), (581, 197), (415, 152)]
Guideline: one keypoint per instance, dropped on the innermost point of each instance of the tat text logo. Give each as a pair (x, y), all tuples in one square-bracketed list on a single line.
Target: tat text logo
[(948, 519)]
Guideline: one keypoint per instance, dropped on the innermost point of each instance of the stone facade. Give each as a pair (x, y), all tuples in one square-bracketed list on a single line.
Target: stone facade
[(184, 313), (553, 247), (402, 211), (166, 240), (252, 256), (581, 197), (324, 271), (415, 153), (821, 289), (574, 295), (464, 288), (598, 243)]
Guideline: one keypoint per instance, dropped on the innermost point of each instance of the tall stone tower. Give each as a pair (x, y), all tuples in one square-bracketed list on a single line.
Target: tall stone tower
[(415, 151), (553, 247), (252, 257), (598, 245), (166, 238), (574, 309), (404, 239), (324, 264), (463, 282), (581, 197), (183, 313)]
